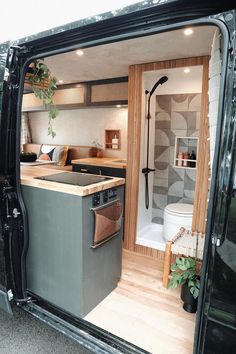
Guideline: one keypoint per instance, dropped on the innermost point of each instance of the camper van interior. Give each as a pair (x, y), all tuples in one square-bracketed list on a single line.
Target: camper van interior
[(122, 188)]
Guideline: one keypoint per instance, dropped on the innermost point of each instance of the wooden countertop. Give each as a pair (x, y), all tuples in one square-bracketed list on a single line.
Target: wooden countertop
[(101, 161), (29, 172)]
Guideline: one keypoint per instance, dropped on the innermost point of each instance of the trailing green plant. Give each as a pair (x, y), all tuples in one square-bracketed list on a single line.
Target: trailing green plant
[(184, 270), (44, 86)]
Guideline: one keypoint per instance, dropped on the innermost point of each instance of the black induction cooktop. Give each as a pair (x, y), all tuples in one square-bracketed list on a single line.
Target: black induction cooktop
[(75, 178)]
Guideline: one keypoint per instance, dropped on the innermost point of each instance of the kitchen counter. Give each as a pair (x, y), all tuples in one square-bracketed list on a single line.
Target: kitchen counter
[(102, 161), (28, 174)]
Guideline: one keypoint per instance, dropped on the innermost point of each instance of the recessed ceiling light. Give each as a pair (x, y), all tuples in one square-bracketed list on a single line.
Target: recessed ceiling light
[(60, 81), (188, 31), (186, 70), (79, 52), (118, 105)]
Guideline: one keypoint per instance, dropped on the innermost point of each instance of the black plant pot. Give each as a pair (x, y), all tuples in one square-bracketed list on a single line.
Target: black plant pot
[(190, 304)]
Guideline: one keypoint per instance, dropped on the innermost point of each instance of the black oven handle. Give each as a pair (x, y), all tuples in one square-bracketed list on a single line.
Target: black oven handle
[(105, 205)]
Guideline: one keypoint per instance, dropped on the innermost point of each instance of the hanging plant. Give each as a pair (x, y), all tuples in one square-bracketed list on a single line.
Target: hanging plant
[(43, 85)]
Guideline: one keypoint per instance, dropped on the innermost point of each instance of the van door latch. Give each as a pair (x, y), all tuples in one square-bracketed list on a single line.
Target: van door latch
[(15, 213), (10, 295)]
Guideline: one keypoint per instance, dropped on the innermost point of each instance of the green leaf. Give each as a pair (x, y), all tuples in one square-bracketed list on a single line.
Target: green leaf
[(194, 291), (53, 113), (174, 267)]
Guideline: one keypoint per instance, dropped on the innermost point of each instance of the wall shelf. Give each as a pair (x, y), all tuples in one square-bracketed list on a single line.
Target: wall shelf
[(185, 168), (185, 145), (112, 139)]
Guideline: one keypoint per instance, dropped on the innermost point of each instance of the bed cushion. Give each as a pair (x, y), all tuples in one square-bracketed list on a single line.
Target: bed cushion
[(74, 152), (60, 155), (46, 152)]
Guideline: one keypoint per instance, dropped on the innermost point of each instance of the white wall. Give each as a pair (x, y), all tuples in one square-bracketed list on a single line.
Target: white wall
[(82, 127), (214, 88), (178, 82)]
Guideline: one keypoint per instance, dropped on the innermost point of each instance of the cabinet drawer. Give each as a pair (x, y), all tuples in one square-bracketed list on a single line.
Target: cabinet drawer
[(99, 170), (96, 170)]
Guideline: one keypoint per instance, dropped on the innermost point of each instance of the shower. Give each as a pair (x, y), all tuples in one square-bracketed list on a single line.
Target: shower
[(147, 170)]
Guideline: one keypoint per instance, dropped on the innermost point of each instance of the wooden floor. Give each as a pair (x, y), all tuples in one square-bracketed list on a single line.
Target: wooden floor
[(141, 311)]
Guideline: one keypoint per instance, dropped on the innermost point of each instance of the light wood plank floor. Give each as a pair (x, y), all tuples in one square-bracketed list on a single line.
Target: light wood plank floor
[(141, 311)]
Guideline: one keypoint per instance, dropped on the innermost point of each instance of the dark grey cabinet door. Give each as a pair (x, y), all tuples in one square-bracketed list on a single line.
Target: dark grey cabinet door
[(115, 172)]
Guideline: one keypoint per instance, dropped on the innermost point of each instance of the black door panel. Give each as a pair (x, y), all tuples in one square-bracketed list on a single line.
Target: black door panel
[(12, 229), (220, 339)]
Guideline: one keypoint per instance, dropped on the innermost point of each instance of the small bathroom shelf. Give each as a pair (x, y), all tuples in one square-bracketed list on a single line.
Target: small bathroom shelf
[(112, 139), (185, 144)]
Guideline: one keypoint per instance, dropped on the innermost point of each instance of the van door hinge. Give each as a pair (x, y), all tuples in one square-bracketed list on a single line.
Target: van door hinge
[(206, 308), (22, 49), (215, 240), (15, 213), (25, 301), (6, 74), (10, 295)]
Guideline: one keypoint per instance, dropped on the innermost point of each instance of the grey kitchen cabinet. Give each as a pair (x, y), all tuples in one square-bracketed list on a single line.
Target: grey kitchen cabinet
[(62, 266)]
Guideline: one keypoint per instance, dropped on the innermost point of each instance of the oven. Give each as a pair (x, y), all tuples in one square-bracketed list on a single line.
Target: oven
[(108, 213)]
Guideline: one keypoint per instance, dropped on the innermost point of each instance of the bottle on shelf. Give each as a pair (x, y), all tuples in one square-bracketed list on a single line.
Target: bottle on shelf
[(114, 143), (192, 157), (185, 157), (180, 158)]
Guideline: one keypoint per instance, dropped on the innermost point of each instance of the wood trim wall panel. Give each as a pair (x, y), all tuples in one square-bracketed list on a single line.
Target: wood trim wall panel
[(133, 153), (203, 167)]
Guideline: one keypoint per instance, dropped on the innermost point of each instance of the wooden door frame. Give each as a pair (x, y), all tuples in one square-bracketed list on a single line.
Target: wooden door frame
[(133, 150)]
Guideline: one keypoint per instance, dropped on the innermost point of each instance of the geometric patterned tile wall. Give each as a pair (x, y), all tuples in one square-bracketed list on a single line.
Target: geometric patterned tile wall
[(176, 115)]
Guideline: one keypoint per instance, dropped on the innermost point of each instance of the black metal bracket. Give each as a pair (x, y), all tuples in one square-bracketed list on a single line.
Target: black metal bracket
[(147, 170)]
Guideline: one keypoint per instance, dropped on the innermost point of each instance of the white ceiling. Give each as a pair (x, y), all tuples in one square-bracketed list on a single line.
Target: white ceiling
[(113, 60)]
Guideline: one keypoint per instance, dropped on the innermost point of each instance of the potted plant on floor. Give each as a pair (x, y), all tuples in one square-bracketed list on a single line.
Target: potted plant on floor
[(185, 272)]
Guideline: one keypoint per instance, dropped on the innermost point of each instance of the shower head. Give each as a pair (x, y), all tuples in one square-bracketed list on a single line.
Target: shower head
[(161, 81)]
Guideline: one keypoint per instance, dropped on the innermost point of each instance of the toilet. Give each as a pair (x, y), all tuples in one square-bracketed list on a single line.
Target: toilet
[(177, 215)]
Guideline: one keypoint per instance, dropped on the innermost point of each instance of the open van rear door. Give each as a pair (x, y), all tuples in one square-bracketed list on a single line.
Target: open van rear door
[(12, 244), (13, 223)]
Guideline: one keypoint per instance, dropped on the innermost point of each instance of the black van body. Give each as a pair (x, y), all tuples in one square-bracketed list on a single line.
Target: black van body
[(216, 319)]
